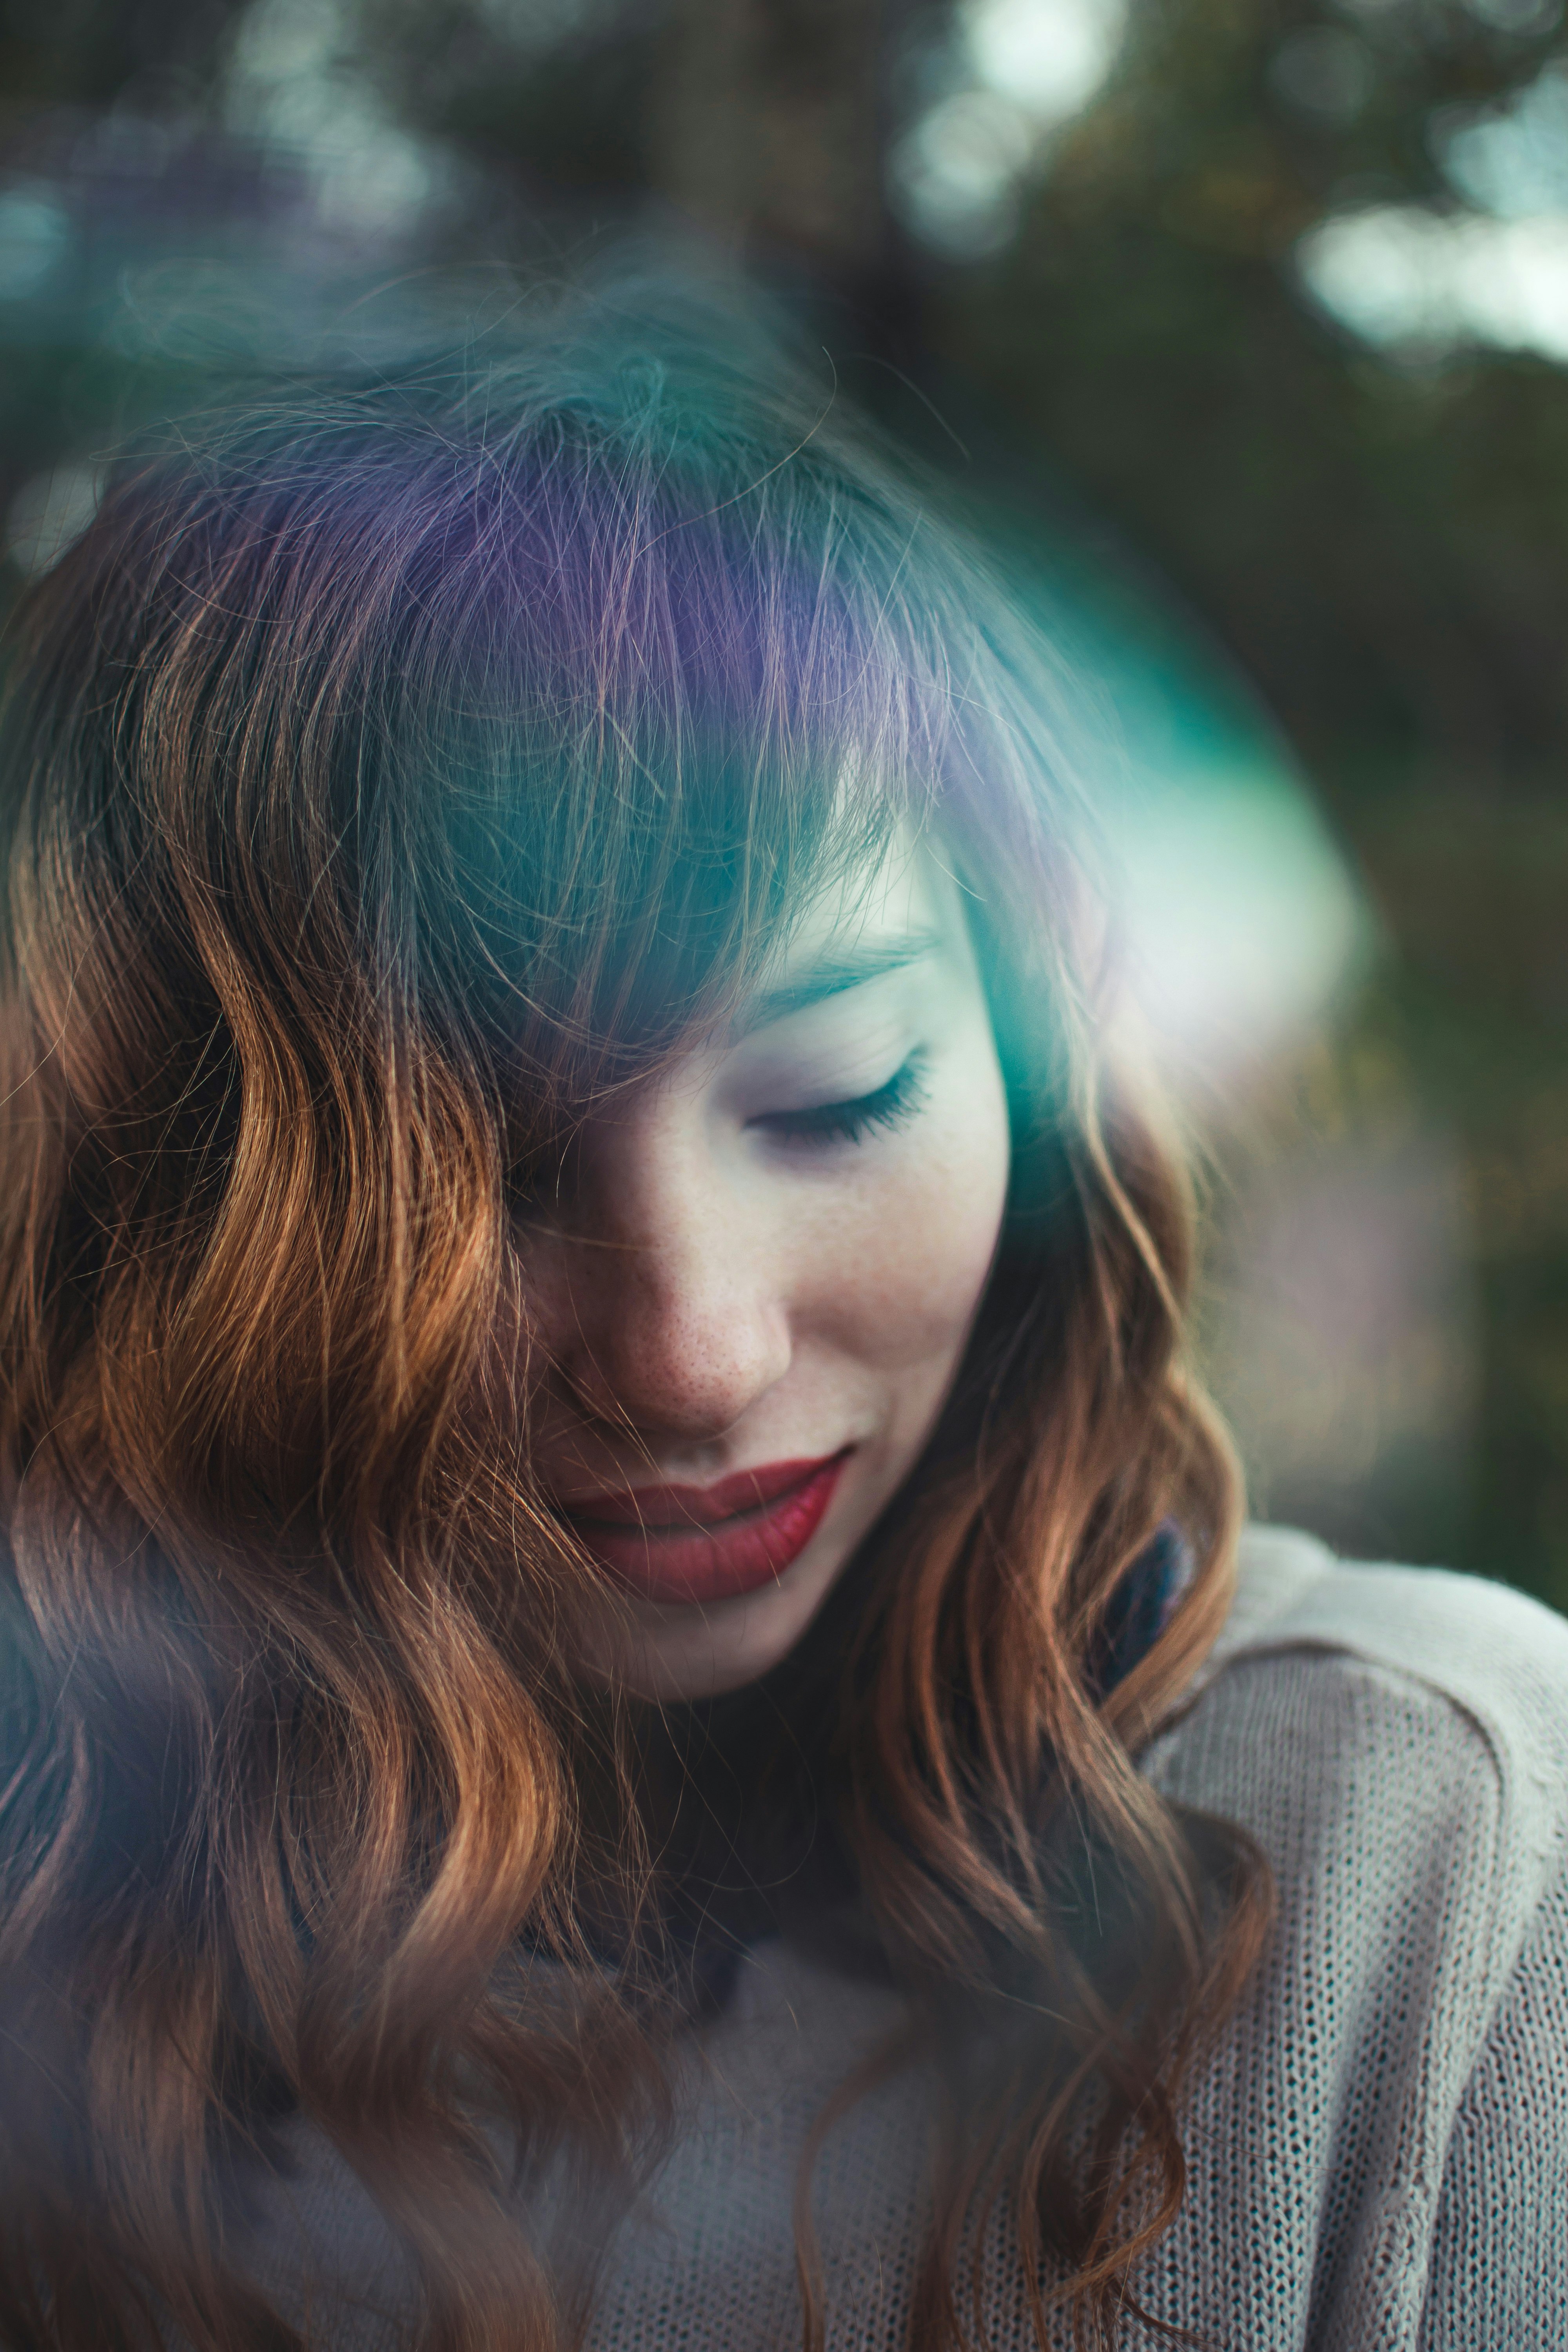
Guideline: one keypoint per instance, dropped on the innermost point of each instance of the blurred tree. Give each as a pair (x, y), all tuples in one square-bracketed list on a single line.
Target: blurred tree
[(1383, 545), (765, 120), (95, 52)]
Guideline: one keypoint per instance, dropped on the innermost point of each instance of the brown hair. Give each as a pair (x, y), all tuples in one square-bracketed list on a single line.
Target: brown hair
[(391, 768)]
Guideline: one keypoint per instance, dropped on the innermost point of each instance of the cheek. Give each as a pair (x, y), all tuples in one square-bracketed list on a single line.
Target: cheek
[(905, 1261)]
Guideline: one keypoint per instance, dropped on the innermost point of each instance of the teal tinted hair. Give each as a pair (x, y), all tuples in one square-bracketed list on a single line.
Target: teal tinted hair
[(610, 639)]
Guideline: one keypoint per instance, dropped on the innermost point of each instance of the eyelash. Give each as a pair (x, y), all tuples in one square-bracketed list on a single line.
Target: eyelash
[(892, 1106)]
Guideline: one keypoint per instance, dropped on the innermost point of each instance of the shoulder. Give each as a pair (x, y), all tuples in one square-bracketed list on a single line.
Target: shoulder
[(1390, 1734), (1496, 1662), (1396, 1741)]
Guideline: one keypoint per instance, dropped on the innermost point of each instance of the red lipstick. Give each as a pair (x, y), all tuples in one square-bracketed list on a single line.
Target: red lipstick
[(708, 1543)]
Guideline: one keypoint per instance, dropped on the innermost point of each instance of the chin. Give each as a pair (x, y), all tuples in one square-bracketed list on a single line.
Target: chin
[(700, 1649)]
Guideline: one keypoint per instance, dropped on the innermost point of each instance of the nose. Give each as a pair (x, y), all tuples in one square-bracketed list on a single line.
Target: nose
[(671, 1314)]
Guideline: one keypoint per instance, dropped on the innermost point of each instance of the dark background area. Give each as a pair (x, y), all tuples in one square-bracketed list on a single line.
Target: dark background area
[(1258, 310)]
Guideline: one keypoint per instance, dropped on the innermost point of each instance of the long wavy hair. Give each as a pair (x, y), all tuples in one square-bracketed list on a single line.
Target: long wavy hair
[(393, 768)]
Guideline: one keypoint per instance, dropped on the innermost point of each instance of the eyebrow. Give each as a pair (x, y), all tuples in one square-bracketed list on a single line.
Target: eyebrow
[(831, 975)]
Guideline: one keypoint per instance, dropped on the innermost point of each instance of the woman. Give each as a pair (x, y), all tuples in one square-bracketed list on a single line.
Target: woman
[(629, 1711)]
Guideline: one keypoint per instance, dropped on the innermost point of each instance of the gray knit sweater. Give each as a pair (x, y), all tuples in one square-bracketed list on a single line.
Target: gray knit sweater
[(1379, 2147)]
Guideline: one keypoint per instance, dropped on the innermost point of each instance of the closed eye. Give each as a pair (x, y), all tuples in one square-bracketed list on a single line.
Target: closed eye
[(891, 1105)]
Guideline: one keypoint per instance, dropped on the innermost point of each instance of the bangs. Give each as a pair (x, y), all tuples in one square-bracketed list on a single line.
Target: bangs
[(535, 699), (684, 703)]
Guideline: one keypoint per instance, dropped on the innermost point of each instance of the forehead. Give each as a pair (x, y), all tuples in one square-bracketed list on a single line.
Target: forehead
[(900, 890), (896, 910)]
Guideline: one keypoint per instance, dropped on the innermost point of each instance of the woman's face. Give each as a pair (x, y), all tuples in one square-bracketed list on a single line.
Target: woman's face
[(756, 1295)]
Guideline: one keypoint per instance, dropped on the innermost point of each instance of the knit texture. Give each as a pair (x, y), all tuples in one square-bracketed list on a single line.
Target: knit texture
[(1379, 2145)]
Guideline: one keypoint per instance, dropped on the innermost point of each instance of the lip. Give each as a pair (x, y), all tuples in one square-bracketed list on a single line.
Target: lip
[(685, 1544)]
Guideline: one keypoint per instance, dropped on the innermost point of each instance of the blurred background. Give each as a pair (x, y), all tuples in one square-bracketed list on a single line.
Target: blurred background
[(1242, 328)]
